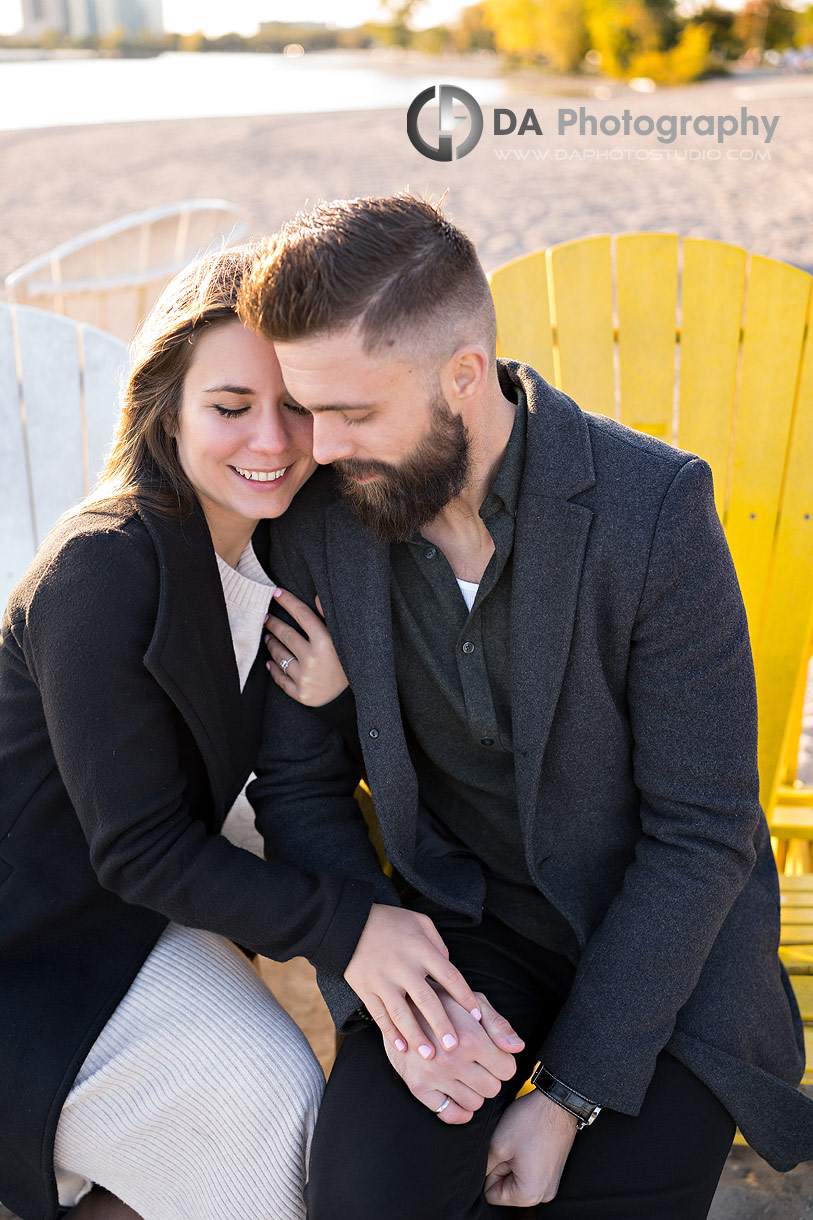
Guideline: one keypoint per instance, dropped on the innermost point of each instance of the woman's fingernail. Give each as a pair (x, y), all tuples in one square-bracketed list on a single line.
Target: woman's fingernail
[(400, 1045), (278, 592), (515, 1040), (268, 666), (449, 1041), (266, 638), (475, 1012), (425, 1051)]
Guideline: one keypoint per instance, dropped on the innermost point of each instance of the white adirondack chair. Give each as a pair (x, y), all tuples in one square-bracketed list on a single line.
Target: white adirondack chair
[(111, 276), (59, 389)]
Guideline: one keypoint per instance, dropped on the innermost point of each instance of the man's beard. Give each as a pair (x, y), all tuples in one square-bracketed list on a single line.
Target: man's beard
[(394, 506)]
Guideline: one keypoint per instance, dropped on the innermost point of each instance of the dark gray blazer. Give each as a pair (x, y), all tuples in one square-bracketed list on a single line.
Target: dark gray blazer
[(634, 721)]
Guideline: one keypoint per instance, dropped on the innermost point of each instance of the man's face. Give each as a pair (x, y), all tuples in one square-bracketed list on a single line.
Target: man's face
[(401, 451)]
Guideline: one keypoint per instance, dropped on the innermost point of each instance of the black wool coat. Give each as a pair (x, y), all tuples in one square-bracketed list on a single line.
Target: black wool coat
[(634, 722), (124, 740)]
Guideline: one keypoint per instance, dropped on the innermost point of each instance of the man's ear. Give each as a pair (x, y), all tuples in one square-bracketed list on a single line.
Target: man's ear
[(464, 376)]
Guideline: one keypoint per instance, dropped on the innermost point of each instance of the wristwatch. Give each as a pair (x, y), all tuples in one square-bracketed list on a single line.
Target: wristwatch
[(584, 1111)]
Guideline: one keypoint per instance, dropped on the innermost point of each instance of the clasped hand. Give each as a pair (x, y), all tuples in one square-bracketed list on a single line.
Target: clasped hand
[(474, 1070), (419, 999)]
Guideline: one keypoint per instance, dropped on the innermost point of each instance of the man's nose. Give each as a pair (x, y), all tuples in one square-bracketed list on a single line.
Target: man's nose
[(330, 441)]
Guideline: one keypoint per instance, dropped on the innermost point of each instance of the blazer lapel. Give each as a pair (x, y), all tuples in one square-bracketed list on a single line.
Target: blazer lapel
[(549, 549), (190, 654), (359, 613)]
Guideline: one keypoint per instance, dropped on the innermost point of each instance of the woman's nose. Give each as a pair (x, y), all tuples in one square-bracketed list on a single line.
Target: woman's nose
[(270, 433)]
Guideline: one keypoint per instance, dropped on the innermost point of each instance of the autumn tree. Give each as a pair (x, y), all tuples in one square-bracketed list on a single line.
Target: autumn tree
[(526, 30), (766, 25), (400, 13)]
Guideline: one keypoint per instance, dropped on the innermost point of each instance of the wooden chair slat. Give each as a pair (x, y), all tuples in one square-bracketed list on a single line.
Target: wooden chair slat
[(52, 444), (580, 284), (786, 628), (49, 356), (796, 888), (803, 990), (712, 292), (646, 294), (797, 959), (520, 291), (105, 365), (777, 299), (18, 540)]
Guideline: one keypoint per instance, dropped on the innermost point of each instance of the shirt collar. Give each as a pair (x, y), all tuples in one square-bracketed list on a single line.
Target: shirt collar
[(503, 495)]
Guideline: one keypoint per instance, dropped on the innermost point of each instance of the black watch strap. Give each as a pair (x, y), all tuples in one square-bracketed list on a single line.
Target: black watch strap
[(585, 1111)]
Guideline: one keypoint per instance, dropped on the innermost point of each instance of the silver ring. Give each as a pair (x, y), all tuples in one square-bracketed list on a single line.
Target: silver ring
[(284, 664), (443, 1106)]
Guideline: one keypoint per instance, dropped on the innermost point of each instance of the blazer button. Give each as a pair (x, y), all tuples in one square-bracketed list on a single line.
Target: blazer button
[(373, 732), (468, 647)]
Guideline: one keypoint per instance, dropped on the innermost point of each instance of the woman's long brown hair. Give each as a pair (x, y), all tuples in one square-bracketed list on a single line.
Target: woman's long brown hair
[(143, 460)]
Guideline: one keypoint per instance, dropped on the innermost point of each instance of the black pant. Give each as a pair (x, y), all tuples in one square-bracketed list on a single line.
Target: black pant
[(378, 1154)]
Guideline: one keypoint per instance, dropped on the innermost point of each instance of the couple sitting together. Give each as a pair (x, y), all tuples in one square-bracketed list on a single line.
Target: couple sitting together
[(521, 623)]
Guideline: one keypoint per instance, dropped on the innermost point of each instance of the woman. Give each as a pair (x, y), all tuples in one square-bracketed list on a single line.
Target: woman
[(139, 1049)]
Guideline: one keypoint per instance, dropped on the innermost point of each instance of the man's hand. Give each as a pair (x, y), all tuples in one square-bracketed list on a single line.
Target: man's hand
[(476, 1069), (396, 952), (529, 1148)]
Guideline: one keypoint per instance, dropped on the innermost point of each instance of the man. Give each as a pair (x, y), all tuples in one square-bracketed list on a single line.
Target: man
[(543, 632)]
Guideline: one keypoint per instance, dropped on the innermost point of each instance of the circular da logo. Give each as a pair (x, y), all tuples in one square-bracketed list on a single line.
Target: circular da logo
[(447, 122)]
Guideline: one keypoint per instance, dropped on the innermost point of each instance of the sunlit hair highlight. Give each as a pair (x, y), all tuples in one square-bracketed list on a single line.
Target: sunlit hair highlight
[(143, 461), (393, 266)]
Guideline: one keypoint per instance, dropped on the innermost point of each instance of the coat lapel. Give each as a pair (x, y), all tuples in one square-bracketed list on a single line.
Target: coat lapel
[(190, 654), (360, 614), (549, 549)]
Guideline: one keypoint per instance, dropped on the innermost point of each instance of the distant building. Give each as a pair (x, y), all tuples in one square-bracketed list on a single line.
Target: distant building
[(42, 15), (82, 18)]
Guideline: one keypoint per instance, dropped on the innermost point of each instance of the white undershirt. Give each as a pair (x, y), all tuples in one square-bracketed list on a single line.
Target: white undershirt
[(469, 591), (247, 590)]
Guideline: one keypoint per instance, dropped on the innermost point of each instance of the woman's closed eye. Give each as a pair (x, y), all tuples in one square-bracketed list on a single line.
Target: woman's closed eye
[(231, 412)]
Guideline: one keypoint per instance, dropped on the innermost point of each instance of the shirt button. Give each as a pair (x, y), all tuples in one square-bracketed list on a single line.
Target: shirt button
[(468, 647), (373, 732), (486, 741), (430, 552)]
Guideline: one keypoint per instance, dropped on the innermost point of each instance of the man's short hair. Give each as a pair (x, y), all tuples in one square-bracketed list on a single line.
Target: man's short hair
[(394, 265)]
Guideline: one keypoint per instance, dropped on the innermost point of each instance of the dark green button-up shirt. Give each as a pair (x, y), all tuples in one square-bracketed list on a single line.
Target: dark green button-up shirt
[(452, 668)]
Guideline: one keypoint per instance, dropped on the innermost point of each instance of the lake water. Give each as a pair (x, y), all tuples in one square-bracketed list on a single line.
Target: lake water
[(58, 93)]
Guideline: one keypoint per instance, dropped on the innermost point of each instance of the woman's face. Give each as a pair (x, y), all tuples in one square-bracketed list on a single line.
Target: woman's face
[(243, 450)]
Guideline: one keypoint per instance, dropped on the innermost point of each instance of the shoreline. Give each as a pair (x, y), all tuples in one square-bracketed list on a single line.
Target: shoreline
[(510, 194)]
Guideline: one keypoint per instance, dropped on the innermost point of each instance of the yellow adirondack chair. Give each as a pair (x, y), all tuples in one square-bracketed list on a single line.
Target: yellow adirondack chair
[(709, 348), (796, 951)]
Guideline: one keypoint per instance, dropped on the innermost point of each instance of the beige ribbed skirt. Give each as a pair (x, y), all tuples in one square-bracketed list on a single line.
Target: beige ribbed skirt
[(198, 1100)]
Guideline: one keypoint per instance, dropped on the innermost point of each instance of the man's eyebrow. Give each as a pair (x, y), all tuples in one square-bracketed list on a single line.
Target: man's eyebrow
[(229, 389), (334, 406)]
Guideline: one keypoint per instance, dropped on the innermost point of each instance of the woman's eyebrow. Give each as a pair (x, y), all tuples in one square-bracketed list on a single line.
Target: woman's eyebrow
[(229, 389)]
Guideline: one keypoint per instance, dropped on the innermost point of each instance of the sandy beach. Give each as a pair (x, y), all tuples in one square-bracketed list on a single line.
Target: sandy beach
[(59, 182)]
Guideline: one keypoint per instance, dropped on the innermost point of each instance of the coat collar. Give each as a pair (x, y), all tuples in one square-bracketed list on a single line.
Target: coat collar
[(189, 654)]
